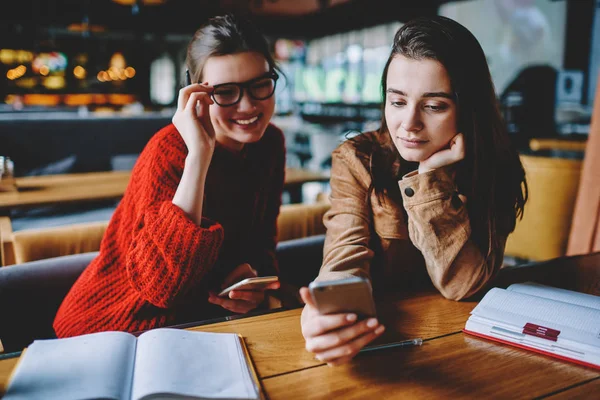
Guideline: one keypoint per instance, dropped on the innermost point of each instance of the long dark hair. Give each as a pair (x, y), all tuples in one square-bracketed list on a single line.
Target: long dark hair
[(491, 174), (223, 35)]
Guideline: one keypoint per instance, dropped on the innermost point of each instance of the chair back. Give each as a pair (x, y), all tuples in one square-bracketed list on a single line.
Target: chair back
[(30, 295), (543, 232)]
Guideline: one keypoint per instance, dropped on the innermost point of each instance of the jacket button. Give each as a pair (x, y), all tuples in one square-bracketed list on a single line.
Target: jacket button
[(409, 192)]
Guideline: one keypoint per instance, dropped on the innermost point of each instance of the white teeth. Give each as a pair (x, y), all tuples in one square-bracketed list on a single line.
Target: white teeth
[(246, 121)]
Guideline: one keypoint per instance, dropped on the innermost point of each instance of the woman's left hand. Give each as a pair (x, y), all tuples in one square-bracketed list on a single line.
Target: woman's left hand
[(449, 155), (241, 301)]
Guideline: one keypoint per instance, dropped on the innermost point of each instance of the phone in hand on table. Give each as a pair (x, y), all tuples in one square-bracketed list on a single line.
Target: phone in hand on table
[(348, 295), (256, 283)]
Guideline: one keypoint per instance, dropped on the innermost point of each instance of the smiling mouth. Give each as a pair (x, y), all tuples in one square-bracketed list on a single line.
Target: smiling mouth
[(246, 121)]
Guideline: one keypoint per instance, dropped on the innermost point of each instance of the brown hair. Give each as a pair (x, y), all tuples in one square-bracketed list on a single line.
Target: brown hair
[(491, 174), (224, 35)]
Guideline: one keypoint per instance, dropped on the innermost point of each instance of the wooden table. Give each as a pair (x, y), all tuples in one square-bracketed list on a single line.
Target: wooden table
[(69, 188), (65, 188), (449, 364)]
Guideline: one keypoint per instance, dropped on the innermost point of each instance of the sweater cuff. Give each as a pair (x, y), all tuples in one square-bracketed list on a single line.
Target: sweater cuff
[(172, 214), (429, 186)]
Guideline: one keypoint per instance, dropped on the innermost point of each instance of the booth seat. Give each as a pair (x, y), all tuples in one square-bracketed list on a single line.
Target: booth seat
[(295, 221)]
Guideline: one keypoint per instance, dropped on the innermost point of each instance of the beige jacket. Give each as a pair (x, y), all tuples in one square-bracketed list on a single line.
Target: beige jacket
[(423, 227)]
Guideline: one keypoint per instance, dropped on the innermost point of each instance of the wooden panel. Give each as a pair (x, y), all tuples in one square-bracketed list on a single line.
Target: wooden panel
[(586, 391), (6, 368), (48, 189), (456, 366)]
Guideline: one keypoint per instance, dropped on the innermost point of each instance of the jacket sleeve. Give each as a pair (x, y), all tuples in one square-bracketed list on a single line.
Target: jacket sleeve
[(168, 253), (346, 251), (439, 226), (264, 259)]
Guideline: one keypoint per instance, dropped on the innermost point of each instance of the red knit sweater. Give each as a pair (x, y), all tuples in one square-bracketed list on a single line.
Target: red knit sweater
[(155, 266)]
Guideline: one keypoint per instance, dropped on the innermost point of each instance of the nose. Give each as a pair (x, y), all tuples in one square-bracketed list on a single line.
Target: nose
[(411, 121), (246, 103)]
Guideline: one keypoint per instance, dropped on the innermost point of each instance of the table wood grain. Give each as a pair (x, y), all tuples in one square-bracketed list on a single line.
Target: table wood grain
[(451, 367)]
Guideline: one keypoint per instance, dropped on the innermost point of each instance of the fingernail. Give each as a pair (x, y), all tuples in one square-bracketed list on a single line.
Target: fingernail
[(380, 330), (351, 317), (372, 323)]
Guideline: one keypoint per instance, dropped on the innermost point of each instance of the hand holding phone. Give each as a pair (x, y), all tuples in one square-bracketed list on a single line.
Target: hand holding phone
[(331, 322), (257, 283), (244, 290)]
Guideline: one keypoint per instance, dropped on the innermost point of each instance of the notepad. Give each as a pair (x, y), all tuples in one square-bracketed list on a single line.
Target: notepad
[(162, 363), (552, 321)]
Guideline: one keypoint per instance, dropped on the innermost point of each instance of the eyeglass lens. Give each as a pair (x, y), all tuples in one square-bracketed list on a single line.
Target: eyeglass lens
[(230, 94)]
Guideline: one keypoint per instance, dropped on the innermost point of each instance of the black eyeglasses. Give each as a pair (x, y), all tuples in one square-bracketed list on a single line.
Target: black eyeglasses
[(261, 88)]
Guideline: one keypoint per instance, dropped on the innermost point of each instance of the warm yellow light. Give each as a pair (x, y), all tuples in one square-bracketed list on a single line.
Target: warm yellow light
[(16, 73), (130, 72), (122, 75), (24, 56), (27, 83), (103, 76), (54, 82), (79, 72), (113, 75), (44, 70), (7, 56), (117, 61), (41, 99)]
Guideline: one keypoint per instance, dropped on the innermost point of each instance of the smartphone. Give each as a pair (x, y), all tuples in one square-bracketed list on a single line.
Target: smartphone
[(256, 283), (188, 79), (344, 295)]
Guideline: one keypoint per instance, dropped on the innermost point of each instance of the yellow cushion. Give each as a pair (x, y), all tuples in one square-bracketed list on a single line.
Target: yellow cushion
[(37, 244), (544, 230), (301, 220)]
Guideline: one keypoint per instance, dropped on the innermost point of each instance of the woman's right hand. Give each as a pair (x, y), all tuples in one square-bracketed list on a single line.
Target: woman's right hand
[(335, 338), (192, 120)]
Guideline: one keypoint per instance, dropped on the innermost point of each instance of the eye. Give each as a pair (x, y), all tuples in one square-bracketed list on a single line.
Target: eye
[(262, 84), (224, 92), (397, 102), (436, 107)]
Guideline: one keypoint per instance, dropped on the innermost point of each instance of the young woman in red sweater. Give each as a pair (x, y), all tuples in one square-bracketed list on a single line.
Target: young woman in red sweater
[(201, 208)]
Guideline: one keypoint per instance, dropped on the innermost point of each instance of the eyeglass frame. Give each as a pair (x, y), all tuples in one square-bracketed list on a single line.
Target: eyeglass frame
[(244, 87)]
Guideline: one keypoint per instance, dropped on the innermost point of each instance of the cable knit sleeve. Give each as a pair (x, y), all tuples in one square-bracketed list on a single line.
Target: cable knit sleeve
[(439, 226), (168, 254)]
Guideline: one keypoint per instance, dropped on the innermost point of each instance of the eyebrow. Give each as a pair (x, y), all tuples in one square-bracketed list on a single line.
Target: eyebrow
[(427, 94)]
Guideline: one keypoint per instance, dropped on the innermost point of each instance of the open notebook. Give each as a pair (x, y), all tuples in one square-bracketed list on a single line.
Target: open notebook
[(162, 363), (556, 322)]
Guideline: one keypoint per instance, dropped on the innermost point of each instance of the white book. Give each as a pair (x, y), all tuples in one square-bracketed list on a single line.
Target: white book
[(556, 322), (162, 363)]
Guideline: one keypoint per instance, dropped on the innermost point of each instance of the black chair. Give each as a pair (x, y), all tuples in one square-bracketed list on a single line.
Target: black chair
[(30, 293)]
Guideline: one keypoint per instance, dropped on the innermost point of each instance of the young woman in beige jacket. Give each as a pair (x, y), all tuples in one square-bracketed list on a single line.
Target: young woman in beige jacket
[(433, 194)]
